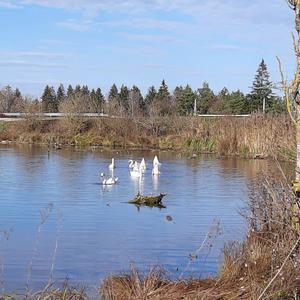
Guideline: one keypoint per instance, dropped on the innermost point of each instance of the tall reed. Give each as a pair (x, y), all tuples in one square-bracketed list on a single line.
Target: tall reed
[(255, 136)]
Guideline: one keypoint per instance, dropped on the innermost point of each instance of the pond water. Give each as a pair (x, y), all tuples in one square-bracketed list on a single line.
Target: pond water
[(92, 232)]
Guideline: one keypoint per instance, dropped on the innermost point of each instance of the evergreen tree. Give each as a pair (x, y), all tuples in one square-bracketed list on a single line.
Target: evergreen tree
[(18, 93), (185, 100), (150, 96), (77, 90), (60, 94), (162, 101), (277, 106), (85, 91), (49, 101), (223, 99), (261, 90), (136, 102), (237, 103), (70, 91), (100, 97), (97, 99), (163, 91), (205, 98), (113, 93), (124, 97)]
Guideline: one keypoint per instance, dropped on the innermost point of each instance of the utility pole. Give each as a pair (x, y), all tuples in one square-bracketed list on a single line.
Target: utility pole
[(264, 98), (195, 107)]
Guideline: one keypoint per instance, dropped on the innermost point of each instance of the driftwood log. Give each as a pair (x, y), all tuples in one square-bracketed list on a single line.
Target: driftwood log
[(152, 201)]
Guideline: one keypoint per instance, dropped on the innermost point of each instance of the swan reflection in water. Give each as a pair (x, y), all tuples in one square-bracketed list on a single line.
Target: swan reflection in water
[(139, 183), (155, 179)]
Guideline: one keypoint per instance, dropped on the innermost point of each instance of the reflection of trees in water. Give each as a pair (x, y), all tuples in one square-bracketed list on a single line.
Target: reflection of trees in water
[(248, 168), (252, 168), (70, 165), (28, 160)]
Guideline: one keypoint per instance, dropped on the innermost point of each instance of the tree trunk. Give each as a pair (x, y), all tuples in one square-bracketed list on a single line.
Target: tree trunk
[(298, 152)]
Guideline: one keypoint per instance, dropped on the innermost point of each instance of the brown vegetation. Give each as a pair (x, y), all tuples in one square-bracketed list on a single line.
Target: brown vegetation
[(253, 136)]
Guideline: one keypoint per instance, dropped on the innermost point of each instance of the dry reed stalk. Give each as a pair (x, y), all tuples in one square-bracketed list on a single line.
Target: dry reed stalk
[(256, 135), (44, 214)]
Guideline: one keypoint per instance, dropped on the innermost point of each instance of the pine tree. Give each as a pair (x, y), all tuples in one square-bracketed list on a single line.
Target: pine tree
[(162, 101), (49, 102), (18, 93), (124, 97), (97, 99), (136, 102), (205, 99), (237, 103), (222, 99), (261, 90), (163, 91), (85, 91), (151, 94), (60, 94), (113, 93), (77, 90), (70, 91), (185, 99)]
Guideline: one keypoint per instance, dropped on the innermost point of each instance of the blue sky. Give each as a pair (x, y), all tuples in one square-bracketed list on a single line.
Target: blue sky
[(140, 42)]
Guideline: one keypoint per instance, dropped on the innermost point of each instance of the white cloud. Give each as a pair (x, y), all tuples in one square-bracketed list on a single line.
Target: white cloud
[(29, 81), (213, 11), (151, 38), (145, 23), (28, 64), (31, 54), (9, 4), (79, 26)]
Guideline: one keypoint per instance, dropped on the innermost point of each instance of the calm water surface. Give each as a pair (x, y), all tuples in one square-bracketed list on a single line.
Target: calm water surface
[(96, 231)]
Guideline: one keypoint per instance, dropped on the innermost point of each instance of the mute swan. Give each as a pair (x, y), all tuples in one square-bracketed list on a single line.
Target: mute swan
[(155, 170), (156, 162), (143, 166), (108, 181), (131, 164), (112, 165), (136, 170)]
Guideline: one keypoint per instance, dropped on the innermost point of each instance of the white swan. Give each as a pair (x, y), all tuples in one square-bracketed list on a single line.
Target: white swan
[(136, 170), (156, 162), (131, 164), (155, 170), (112, 165), (143, 166), (108, 181)]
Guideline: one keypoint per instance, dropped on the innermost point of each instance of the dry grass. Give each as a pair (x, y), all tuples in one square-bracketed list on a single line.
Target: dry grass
[(66, 292), (247, 137), (154, 285)]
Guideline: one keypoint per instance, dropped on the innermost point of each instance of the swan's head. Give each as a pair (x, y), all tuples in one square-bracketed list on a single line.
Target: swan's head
[(102, 175)]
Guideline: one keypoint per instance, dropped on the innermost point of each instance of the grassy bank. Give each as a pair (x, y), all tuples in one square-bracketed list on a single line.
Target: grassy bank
[(254, 136)]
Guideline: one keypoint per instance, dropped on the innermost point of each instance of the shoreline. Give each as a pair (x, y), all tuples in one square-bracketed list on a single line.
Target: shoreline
[(254, 137), (92, 148)]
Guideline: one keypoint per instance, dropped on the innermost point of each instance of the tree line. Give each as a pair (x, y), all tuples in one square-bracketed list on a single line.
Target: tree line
[(126, 101)]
